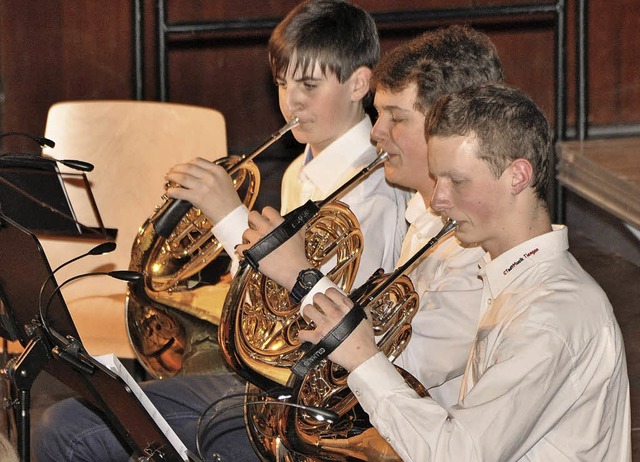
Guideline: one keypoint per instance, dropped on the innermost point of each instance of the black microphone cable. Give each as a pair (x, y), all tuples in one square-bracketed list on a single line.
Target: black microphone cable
[(100, 249), (41, 140), (123, 275), (71, 348)]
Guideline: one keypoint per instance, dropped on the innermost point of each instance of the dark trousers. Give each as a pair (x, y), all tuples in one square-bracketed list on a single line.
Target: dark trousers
[(72, 432)]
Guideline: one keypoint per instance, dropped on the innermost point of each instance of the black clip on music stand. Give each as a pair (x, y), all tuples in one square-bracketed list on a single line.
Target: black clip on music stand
[(23, 271)]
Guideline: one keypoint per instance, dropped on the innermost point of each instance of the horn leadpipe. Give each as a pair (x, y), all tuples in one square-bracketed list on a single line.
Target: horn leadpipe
[(297, 218), (382, 156), (275, 136), (167, 221), (448, 227)]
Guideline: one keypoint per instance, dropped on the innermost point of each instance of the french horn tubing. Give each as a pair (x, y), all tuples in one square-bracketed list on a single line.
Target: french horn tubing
[(290, 434), (258, 330), (172, 316)]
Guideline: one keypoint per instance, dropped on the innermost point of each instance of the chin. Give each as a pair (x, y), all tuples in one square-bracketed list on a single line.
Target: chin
[(390, 174), (464, 237), (300, 136)]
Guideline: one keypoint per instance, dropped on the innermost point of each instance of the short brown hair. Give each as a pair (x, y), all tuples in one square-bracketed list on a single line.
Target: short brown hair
[(334, 34), (506, 123)]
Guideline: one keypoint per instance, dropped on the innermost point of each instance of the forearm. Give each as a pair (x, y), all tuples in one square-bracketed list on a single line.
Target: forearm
[(417, 428)]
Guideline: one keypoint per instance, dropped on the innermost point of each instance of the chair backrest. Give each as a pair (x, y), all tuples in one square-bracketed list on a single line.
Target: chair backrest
[(132, 144)]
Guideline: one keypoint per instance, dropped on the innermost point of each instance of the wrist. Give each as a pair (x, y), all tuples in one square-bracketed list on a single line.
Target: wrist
[(305, 281)]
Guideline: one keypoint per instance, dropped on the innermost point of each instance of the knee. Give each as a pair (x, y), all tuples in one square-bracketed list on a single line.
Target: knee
[(49, 438), (70, 431)]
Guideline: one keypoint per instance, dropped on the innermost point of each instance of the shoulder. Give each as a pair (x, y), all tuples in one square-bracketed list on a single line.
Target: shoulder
[(295, 166), (563, 299)]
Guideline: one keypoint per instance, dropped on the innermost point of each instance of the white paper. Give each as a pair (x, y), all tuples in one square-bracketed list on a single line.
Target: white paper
[(112, 363)]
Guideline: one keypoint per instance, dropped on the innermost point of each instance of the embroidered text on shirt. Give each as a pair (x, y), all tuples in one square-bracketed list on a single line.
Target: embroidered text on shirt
[(520, 260)]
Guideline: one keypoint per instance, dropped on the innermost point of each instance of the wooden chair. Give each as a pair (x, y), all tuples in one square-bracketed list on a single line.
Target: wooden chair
[(132, 144)]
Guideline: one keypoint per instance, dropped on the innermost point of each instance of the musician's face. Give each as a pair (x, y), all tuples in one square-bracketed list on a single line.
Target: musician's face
[(399, 130), (468, 192), (326, 108)]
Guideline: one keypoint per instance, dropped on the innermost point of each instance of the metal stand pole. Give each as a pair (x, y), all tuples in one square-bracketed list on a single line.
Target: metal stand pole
[(23, 372)]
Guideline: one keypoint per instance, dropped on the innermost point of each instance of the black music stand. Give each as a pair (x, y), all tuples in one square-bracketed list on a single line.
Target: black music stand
[(33, 194), (23, 271)]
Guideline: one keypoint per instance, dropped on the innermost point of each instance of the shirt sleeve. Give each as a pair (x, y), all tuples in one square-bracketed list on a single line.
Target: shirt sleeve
[(229, 232), (500, 418), (321, 287), (446, 322)]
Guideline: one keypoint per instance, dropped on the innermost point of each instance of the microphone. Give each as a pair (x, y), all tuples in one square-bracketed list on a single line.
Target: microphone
[(71, 163), (99, 249), (41, 140), (71, 348), (123, 275), (318, 413)]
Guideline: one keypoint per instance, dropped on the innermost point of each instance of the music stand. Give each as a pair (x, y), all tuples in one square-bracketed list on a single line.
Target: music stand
[(23, 270), (33, 194)]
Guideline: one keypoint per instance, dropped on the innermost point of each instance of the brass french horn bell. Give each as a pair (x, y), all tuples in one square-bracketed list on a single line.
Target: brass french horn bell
[(258, 332), (292, 434), (172, 316)]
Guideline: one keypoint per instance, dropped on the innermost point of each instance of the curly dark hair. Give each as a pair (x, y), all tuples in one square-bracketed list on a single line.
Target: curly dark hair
[(439, 62)]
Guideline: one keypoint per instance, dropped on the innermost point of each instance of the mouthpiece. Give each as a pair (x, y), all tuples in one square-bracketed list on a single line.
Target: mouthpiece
[(382, 155), (448, 226), (292, 123)]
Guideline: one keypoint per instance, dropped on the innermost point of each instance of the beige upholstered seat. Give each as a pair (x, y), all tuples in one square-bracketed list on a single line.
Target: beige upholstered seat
[(132, 144)]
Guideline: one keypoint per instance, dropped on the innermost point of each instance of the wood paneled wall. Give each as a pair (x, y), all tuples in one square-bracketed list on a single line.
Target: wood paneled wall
[(56, 50)]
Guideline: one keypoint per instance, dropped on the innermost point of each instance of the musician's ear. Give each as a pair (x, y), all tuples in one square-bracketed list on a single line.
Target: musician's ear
[(361, 82), (521, 175)]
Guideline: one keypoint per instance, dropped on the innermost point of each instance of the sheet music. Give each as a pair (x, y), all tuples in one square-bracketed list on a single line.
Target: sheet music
[(111, 362)]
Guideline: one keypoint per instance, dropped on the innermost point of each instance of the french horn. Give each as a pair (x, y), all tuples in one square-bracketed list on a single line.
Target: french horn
[(258, 331), (291, 434), (171, 318)]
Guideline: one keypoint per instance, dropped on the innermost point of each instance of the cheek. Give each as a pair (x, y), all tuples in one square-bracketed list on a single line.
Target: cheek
[(482, 211), (324, 109), (480, 203), (415, 150)]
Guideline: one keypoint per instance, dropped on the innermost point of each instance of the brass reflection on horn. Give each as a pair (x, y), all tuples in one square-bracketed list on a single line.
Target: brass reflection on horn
[(172, 318), (259, 327), (392, 302)]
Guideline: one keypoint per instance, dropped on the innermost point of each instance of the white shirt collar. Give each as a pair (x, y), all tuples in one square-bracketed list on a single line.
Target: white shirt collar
[(337, 158), (501, 271)]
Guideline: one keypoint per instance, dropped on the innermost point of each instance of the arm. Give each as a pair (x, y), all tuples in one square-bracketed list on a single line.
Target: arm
[(326, 311), (521, 390), (209, 187), (286, 261), (510, 408)]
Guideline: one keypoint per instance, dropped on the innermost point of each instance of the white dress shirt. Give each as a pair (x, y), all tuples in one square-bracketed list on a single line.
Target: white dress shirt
[(446, 280), (378, 206), (546, 379), (449, 290)]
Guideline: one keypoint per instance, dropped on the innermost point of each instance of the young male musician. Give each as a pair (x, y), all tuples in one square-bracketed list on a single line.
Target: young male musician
[(321, 57), (407, 81), (546, 378)]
